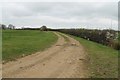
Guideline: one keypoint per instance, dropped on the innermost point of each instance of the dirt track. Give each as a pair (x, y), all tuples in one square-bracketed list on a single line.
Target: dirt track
[(65, 59)]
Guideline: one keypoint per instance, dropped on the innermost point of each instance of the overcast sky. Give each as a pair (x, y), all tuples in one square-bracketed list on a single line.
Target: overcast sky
[(98, 15)]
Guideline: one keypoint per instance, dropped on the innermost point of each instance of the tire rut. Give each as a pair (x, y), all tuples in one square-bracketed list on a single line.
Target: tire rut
[(56, 61)]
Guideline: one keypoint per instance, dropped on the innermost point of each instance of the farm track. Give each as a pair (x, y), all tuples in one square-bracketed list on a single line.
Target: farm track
[(65, 59)]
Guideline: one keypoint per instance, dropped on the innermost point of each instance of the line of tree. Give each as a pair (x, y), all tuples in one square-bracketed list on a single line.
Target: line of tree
[(43, 28), (4, 27), (105, 37)]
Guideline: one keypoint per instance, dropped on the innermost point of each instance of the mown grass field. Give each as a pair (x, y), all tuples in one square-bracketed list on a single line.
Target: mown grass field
[(102, 60), (18, 42)]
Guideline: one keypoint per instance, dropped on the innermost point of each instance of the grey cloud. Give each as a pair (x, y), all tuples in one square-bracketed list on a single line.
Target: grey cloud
[(60, 14), (74, 9), (67, 9)]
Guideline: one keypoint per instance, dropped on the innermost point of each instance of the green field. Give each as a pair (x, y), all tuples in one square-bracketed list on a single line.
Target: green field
[(102, 60), (18, 42), (118, 35)]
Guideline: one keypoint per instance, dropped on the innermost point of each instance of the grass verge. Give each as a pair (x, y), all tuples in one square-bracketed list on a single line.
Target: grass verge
[(17, 43), (102, 60)]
